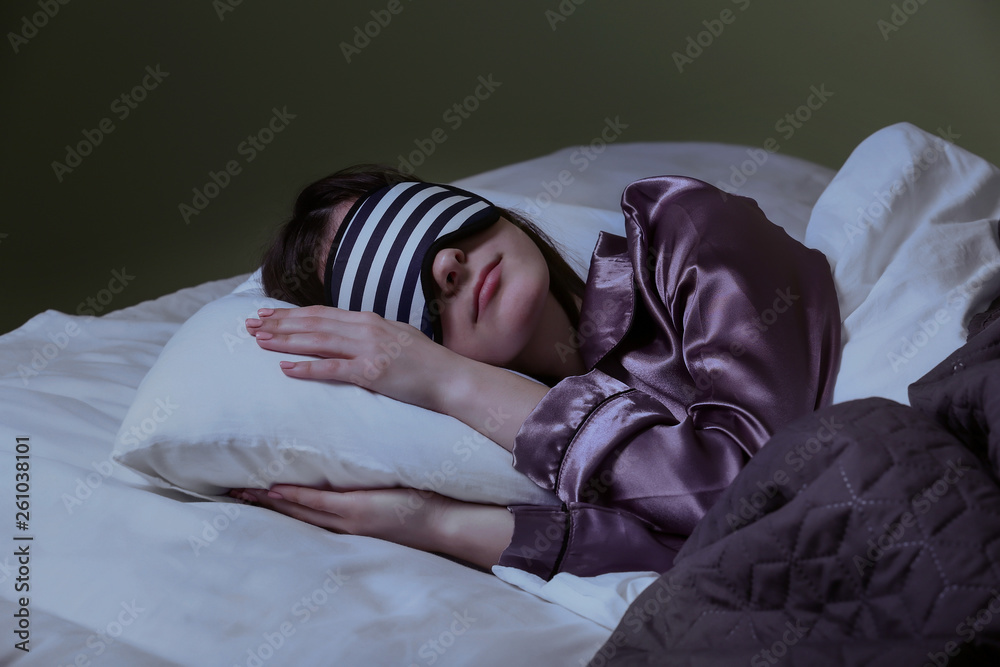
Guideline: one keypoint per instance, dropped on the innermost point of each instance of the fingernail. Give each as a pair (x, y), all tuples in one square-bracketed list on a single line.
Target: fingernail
[(253, 322), (287, 364), (263, 335), (264, 312), (275, 494)]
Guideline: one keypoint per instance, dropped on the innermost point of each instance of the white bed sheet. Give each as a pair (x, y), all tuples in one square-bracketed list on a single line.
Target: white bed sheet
[(123, 573), (176, 581)]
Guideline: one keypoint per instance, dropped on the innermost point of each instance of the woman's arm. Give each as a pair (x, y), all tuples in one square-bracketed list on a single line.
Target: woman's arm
[(491, 400)]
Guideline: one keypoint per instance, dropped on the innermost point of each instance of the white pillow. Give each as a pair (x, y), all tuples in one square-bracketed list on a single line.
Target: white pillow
[(216, 412), (909, 225)]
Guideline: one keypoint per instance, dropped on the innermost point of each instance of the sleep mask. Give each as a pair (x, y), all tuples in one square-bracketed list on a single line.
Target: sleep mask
[(382, 254)]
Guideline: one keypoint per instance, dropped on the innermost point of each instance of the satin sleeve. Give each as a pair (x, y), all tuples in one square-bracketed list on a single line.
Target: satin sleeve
[(640, 448)]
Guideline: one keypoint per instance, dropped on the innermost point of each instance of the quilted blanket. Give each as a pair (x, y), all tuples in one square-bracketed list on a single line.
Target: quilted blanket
[(866, 533)]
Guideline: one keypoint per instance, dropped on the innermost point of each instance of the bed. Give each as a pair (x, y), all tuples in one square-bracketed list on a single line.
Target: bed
[(114, 568)]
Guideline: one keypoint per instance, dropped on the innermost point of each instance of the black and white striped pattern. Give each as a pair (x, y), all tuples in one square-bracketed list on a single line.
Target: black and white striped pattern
[(378, 255)]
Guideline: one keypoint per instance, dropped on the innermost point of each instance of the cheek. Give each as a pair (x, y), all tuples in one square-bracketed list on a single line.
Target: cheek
[(495, 344), (459, 337), (522, 305), (531, 290), (475, 346)]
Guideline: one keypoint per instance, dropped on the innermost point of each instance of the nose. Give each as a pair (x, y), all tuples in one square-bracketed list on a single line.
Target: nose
[(449, 270)]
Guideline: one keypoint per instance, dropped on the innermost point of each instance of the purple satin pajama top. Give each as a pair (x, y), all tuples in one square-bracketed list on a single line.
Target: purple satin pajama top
[(707, 328)]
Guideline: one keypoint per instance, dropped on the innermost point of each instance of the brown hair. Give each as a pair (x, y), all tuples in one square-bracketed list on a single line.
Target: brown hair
[(291, 265)]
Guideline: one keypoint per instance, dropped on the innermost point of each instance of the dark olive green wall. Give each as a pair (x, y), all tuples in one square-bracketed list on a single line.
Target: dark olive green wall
[(556, 83)]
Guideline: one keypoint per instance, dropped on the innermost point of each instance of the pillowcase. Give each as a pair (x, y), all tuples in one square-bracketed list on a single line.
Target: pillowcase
[(215, 412), (909, 225)]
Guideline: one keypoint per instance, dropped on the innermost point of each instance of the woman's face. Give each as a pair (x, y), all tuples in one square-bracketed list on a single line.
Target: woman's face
[(490, 289)]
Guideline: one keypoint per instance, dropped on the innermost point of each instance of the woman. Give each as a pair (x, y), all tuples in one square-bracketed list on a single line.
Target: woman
[(693, 340)]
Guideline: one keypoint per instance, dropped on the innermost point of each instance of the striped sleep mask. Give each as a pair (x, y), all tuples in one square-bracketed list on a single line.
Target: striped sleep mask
[(382, 254)]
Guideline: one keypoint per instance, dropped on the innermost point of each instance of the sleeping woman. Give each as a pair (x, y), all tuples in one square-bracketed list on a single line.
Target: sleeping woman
[(636, 397)]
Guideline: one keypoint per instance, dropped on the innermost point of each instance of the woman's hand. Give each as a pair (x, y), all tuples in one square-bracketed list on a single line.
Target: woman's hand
[(397, 360), (420, 519), (403, 516), (363, 348)]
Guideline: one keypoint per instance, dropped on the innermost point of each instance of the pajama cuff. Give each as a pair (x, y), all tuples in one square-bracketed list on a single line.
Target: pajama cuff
[(538, 541), (541, 444)]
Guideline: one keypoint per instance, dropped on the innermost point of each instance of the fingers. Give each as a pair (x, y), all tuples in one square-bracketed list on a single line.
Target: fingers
[(319, 330), (334, 502), (319, 508), (311, 336), (301, 324), (306, 318), (305, 311), (307, 514), (327, 344), (323, 369), (350, 346), (330, 502)]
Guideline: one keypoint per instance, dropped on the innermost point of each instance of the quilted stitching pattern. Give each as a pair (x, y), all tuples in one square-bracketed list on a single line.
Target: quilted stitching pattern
[(866, 530)]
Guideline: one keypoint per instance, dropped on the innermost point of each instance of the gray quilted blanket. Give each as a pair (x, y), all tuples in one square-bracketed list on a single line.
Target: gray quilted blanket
[(867, 533)]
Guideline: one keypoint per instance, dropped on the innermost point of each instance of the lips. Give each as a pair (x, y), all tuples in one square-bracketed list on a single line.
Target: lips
[(487, 284)]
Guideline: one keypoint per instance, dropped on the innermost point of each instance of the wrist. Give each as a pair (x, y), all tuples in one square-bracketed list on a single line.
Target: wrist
[(490, 399), (452, 380), (476, 533)]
